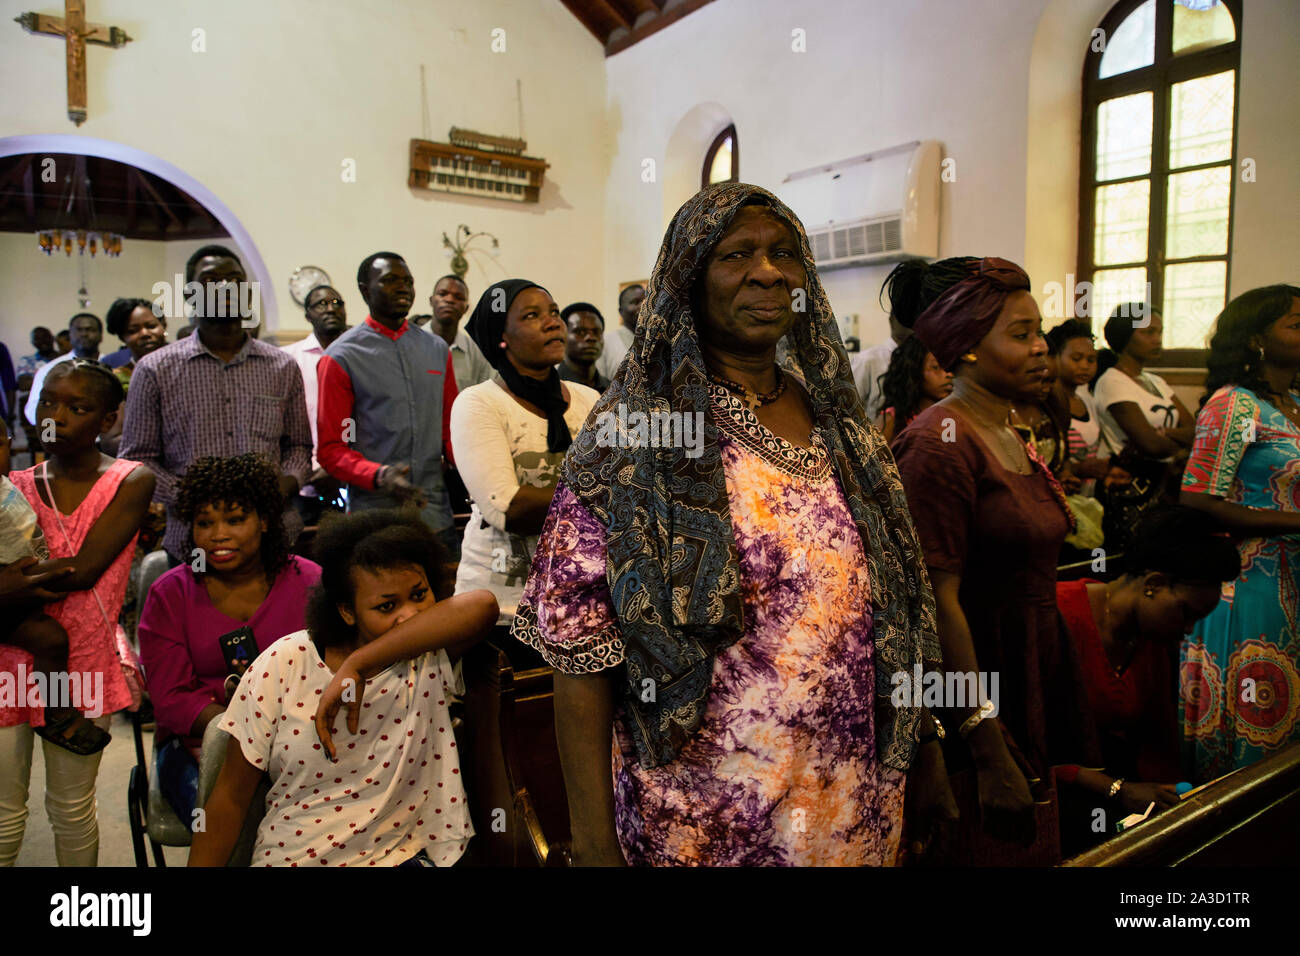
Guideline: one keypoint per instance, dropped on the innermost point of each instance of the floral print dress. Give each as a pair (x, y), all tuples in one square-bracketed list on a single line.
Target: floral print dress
[(783, 770), (1240, 668)]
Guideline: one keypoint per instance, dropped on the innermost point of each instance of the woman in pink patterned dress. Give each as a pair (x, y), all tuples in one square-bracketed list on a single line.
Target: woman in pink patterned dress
[(728, 577), (89, 507), (1244, 470)]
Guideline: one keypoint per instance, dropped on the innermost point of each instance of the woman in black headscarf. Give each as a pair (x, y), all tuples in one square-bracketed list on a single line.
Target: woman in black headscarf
[(728, 580), (510, 434)]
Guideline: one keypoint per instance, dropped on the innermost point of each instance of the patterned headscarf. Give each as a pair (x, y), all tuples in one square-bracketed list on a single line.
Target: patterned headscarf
[(674, 571), (956, 321)]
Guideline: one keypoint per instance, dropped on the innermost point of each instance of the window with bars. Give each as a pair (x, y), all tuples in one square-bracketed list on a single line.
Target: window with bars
[(1158, 163)]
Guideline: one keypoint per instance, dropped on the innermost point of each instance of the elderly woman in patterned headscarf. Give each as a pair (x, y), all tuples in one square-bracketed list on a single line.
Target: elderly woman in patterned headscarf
[(728, 578)]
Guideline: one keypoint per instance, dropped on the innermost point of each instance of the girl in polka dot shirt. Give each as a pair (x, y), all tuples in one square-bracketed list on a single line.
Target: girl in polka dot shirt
[(380, 644)]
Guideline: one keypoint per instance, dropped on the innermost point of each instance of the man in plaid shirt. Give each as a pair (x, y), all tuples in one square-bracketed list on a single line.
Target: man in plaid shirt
[(217, 392)]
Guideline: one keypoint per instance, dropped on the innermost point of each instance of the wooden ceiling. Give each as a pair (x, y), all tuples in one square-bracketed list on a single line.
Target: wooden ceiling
[(101, 194), (620, 23)]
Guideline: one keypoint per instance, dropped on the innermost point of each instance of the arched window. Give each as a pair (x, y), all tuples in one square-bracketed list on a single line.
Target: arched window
[(722, 161), (1157, 163)]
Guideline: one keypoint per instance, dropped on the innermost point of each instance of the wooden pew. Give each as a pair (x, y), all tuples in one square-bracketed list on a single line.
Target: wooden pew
[(512, 764), (1250, 817)]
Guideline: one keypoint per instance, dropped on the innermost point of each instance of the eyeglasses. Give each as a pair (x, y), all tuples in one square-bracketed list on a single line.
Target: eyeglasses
[(320, 304)]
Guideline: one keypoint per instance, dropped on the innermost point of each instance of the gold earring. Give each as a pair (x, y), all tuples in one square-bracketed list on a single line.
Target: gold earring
[(1150, 592), (969, 357)]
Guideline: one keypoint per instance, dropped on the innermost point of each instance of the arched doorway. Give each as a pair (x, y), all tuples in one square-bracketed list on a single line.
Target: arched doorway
[(87, 146)]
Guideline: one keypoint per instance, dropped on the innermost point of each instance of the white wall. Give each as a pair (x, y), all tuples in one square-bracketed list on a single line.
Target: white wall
[(42, 290), (286, 91), (876, 73), (997, 82), (1266, 224)]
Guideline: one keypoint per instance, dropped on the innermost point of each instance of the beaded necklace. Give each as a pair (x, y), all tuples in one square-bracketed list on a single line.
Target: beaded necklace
[(751, 398)]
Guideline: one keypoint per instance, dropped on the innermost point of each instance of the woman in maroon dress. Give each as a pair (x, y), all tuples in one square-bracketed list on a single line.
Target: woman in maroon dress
[(991, 519)]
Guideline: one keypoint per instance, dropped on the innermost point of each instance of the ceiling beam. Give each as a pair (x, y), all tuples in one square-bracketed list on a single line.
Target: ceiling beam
[(640, 7), (80, 196), (611, 11), (132, 205), (11, 178), (29, 195), (153, 193), (653, 25)]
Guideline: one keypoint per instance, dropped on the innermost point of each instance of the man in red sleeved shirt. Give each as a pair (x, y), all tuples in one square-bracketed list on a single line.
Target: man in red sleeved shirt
[(385, 394)]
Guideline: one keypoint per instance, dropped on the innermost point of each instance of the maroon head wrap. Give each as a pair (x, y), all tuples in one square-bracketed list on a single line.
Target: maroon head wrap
[(957, 320)]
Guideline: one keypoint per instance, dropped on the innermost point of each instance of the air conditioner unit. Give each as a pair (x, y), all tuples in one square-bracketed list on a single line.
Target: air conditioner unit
[(878, 207)]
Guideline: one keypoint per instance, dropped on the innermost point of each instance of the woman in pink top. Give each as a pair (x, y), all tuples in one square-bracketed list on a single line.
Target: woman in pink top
[(204, 623), (89, 507)]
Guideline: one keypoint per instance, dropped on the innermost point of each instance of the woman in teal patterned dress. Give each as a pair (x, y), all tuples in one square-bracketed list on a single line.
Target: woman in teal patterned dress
[(1240, 666)]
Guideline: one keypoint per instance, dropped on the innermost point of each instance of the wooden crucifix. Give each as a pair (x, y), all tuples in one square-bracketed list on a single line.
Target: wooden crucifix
[(72, 26)]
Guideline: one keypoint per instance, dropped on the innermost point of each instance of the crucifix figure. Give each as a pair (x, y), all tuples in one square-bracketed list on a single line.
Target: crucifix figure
[(77, 32)]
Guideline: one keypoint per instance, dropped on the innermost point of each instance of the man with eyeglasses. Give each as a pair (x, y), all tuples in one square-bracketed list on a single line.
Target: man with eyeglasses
[(328, 319), (383, 418)]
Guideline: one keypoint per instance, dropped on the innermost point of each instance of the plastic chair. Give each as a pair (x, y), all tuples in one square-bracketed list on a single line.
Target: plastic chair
[(148, 812), (151, 816)]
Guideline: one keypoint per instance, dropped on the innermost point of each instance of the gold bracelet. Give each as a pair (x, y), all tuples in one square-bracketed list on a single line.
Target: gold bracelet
[(985, 710)]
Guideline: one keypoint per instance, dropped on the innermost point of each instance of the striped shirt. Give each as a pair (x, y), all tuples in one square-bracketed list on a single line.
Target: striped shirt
[(185, 403)]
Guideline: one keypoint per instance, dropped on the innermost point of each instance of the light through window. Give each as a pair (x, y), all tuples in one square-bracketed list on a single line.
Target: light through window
[(1160, 96)]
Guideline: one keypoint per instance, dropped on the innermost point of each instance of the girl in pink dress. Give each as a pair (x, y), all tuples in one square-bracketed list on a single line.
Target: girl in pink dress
[(89, 507)]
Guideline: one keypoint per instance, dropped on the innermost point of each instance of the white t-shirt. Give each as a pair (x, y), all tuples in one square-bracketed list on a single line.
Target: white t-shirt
[(867, 368), (307, 352), (1090, 429), (618, 339), (396, 789), (1156, 402), (501, 446)]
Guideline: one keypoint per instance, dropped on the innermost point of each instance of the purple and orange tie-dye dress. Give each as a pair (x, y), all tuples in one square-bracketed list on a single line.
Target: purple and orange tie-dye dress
[(783, 770)]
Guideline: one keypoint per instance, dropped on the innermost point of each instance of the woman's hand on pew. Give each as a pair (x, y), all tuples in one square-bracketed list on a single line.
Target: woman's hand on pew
[(1136, 797)]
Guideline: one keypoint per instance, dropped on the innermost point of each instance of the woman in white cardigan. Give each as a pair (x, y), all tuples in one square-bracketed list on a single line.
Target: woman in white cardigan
[(511, 433)]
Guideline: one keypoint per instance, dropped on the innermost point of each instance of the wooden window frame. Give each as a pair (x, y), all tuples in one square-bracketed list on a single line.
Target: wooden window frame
[(1158, 78), (713, 151)]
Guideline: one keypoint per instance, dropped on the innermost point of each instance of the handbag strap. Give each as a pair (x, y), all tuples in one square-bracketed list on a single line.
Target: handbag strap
[(67, 543)]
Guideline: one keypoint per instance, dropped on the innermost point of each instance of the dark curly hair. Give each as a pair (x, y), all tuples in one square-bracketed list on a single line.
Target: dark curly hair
[(105, 382), (1185, 543), (378, 540), (1233, 360), (119, 315), (249, 481), (914, 285), (1067, 331), (903, 384)]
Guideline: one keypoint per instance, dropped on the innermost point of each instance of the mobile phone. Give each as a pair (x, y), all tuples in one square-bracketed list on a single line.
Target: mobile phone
[(239, 648)]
